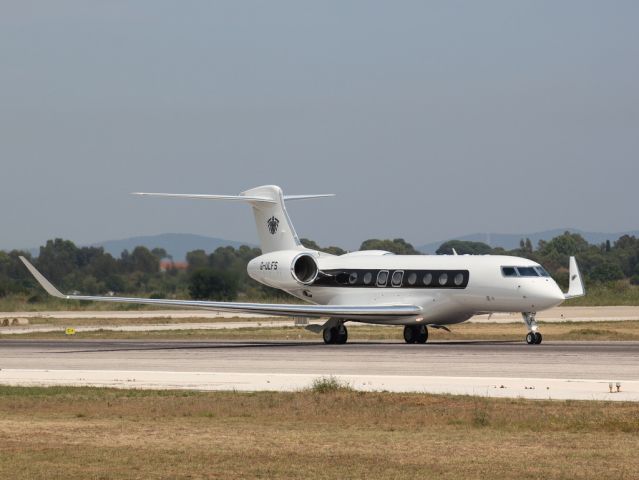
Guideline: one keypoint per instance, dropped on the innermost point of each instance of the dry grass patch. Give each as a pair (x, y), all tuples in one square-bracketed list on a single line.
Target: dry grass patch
[(579, 331), (100, 433), (118, 321)]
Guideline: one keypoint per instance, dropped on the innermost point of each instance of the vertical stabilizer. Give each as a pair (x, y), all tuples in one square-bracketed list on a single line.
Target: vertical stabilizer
[(274, 226)]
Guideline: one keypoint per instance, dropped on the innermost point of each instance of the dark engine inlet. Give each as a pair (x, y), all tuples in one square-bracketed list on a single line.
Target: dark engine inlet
[(305, 269)]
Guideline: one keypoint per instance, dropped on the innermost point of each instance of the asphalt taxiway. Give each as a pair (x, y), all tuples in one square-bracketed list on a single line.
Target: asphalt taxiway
[(556, 370)]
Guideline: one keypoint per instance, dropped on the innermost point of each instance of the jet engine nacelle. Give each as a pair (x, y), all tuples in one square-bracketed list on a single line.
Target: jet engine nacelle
[(287, 269)]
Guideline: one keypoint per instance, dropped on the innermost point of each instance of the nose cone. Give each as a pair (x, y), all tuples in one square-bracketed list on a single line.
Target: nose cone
[(542, 294), (556, 296), (548, 294)]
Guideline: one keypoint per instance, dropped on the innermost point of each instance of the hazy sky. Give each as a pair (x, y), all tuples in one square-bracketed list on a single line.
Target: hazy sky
[(428, 119)]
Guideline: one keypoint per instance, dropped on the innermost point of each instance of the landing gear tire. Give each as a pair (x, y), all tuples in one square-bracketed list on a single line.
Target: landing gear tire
[(330, 335), (335, 335), (342, 335), (533, 338), (422, 333), (409, 334), (415, 334)]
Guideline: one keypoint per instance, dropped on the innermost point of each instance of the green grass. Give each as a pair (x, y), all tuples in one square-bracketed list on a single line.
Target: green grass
[(43, 302), (611, 294), (21, 303), (329, 384)]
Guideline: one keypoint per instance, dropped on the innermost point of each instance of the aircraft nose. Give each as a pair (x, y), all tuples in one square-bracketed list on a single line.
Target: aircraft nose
[(544, 294), (553, 293)]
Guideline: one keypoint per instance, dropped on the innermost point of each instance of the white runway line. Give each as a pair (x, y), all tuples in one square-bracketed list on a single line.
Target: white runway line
[(529, 388)]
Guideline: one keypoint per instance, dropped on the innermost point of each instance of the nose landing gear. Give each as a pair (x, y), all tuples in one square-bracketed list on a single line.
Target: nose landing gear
[(415, 334), (533, 337)]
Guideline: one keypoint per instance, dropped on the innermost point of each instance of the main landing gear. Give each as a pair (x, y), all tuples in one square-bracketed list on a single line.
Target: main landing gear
[(415, 334), (335, 335), (533, 337)]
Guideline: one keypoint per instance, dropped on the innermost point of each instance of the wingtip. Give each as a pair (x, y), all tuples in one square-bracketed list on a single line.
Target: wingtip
[(44, 283)]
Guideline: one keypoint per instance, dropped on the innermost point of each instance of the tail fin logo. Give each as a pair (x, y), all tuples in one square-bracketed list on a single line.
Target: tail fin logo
[(272, 224)]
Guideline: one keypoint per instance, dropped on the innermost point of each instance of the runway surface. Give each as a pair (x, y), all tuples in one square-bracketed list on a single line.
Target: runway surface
[(557, 370)]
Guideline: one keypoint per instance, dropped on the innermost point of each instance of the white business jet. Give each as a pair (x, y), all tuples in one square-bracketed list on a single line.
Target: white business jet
[(415, 291)]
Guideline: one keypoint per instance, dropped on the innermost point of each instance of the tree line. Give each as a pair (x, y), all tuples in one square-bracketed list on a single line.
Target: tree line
[(602, 263), (221, 275)]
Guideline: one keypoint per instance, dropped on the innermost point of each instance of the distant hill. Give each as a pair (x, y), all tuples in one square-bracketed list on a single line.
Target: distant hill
[(176, 244), (179, 244), (510, 241)]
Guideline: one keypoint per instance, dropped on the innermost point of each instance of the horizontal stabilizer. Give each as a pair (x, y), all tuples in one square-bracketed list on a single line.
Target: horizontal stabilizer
[(306, 197), (237, 198), (274, 226), (197, 196)]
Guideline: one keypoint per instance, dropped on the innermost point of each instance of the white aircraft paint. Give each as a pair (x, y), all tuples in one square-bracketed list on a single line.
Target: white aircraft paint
[(415, 291)]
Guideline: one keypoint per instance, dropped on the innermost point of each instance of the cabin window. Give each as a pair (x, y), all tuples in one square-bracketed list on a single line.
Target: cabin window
[(414, 279), (509, 271), (396, 281), (382, 278)]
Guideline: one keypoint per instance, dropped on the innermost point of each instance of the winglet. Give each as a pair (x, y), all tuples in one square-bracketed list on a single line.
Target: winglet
[(51, 290), (575, 284)]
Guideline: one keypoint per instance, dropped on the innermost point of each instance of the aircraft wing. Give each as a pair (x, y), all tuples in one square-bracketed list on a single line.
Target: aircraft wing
[(347, 312)]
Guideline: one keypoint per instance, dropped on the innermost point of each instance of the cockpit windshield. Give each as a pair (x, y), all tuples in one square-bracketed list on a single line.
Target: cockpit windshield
[(527, 272), (538, 271), (542, 271), (509, 271)]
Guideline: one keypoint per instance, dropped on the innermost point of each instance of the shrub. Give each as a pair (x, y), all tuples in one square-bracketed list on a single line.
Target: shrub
[(329, 385)]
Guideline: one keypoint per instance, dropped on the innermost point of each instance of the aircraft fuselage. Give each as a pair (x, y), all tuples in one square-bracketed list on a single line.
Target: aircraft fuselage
[(449, 288)]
